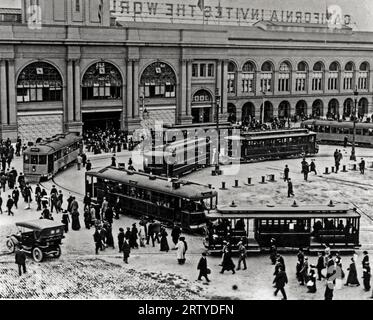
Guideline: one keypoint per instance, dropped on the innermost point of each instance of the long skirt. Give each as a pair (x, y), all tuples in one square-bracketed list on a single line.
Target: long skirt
[(164, 244), (75, 224)]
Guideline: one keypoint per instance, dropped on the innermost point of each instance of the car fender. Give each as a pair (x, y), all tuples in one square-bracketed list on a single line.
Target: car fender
[(14, 239)]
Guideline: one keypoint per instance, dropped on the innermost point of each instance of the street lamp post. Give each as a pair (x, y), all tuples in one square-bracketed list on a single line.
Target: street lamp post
[(262, 109), (353, 156), (217, 170)]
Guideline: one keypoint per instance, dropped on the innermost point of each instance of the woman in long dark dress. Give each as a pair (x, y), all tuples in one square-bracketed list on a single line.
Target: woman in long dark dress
[(164, 242), (65, 220), (109, 235), (133, 237), (352, 275), (228, 264), (75, 224)]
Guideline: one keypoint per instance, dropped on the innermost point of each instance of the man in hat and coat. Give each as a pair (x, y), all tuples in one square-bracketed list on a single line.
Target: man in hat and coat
[(175, 234), (126, 249), (228, 264), (202, 267), (280, 280), (366, 271), (20, 256), (242, 256), (121, 239)]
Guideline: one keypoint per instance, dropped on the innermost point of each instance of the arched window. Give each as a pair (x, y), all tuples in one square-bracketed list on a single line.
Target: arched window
[(301, 77), (284, 77), (348, 77), (317, 108), (102, 81), (301, 108), (284, 110), (202, 96), (333, 76), (39, 81), (333, 109), (363, 76), (158, 81), (347, 107), (248, 77), (317, 76), (266, 77), (248, 112), (232, 77), (363, 107)]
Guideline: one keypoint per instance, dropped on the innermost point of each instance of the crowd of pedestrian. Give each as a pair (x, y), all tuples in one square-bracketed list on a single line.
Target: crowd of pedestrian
[(107, 141)]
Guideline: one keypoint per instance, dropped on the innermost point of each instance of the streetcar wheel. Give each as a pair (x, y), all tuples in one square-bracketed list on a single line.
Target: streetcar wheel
[(37, 254), (58, 253), (10, 246)]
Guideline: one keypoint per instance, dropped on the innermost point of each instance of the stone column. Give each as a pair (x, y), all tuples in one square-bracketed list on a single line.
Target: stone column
[(182, 94), (70, 91), (3, 93), (293, 77), (219, 74), (129, 89), (224, 90), (135, 88), (275, 79), (189, 88), (77, 89), (12, 93)]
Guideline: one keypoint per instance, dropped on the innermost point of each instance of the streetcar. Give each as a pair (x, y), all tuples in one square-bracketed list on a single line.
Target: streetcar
[(308, 227), (46, 158), (335, 132), (138, 194), (178, 158), (270, 145)]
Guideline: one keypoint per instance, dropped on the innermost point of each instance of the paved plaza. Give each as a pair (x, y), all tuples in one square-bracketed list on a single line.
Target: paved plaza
[(149, 265)]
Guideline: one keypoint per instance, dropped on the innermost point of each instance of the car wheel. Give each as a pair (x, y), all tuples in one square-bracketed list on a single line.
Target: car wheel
[(37, 254), (58, 254), (10, 246)]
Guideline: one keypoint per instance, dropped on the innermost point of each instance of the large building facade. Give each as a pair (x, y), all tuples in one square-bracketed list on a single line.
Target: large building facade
[(79, 67)]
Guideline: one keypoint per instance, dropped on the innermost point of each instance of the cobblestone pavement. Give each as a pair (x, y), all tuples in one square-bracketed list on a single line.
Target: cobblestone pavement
[(91, 279)]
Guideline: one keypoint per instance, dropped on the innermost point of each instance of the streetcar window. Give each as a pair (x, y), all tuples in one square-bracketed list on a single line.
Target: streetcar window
[(42, 159), (370, 132), (65, 151), (346, 131), (58, 154), (34, 159), (358, 131), (26, 158), (333, 130)]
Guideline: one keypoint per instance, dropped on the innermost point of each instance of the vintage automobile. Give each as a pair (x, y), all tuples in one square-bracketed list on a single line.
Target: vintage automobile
[(39, 238)]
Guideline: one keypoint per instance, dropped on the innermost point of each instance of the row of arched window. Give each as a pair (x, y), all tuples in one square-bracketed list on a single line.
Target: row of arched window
[(301, 109), (338, 77), (40, 81)]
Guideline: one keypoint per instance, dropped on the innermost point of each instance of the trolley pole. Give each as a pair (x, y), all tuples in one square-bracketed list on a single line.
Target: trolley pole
[(353, 155), (217, 170)]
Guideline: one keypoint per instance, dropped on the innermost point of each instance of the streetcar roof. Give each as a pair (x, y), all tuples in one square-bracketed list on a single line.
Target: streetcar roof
[(282, 212), (273, 132), (39, 224), (189, 190), (50, 145), (338, 124), (279, 136)]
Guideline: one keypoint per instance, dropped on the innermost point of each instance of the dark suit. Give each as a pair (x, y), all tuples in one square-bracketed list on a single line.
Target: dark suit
[(280, 280), (21, 261), (126, 250), (202, 267)]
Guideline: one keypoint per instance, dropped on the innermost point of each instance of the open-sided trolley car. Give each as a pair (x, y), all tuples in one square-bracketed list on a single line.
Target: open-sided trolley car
[(335, 131), (140, 194), (309, 227), (46, 158)]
